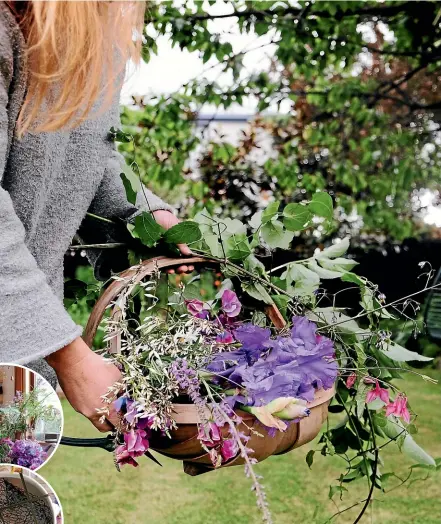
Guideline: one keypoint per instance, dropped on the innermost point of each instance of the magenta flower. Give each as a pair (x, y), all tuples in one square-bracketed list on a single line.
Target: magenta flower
[(196, 308), (399, 408), (350, 381), (136, 442), (210, 435), (135, 445), (123, 457), (229, 449), (377, 392), (230, 303), (225, 338)]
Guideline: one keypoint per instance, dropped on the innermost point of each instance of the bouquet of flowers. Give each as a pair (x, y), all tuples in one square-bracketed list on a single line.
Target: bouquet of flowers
[(23, 452), (223, 355)]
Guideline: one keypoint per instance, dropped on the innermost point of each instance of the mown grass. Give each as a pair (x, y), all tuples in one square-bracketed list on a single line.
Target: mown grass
[(92, 491)]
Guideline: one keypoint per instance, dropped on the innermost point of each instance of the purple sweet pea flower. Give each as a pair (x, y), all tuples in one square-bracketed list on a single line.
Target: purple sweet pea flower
[(230, 303), (131, 411), (120, 403), (252, 337)]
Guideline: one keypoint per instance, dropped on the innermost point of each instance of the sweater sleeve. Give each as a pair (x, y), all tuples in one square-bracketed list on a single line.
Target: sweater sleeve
[(111, 202), (33, 321)]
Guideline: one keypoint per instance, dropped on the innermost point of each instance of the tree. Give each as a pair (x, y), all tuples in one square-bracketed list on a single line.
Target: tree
[(356, 83)]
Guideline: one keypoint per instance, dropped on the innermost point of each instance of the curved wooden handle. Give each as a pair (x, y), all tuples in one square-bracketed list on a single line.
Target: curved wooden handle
[(137, 274)]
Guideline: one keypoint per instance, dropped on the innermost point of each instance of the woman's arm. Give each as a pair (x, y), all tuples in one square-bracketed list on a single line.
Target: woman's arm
[(33, 322)]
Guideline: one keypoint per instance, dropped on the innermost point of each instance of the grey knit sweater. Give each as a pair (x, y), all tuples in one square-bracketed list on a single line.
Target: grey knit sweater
[(48, 182)]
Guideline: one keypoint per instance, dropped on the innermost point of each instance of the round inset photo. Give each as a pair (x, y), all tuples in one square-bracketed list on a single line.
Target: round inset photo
[(31, 417), (26, 497)]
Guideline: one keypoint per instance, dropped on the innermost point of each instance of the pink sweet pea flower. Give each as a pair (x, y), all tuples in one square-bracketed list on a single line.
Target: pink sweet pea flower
[(230, 303), (194, 306), (210, 435), (229, 449), (350, 381), (123, 457), (136, 442), (399, 408), (377, 392)]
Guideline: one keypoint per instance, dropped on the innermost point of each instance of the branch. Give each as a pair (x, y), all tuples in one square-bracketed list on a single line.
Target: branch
[(374, 10)]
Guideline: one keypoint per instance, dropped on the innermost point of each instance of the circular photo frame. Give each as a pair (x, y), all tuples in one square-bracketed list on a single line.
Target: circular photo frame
[(31, 418)]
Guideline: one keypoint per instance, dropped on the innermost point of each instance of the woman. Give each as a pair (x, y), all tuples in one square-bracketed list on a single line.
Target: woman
[(61, 66)]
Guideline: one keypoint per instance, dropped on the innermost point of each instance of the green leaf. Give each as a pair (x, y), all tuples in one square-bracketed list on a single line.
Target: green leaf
[(322, 272), (237, 247), (338, 320), (394, 429), (270, 212), (336, 250), (258, 291), (355, 279), (183, 233), (296, 217), (338, 264), (276, 236), (146, 229), (321, 205), (132, 184), (334, 490), (310, 458), (306, 281), (256, 220), (213, 245), (396, 352), (281, 302)]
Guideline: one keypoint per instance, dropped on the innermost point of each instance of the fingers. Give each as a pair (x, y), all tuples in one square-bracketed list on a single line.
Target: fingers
[(181, 269), (184, 249)]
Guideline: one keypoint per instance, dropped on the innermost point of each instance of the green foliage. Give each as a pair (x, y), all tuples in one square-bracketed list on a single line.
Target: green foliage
[(359, 138)]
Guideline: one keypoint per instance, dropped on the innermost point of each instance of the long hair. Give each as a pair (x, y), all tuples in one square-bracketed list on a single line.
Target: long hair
[(76, 53)]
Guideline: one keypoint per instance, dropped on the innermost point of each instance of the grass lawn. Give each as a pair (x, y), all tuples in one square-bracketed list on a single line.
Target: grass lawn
[(92, 491)]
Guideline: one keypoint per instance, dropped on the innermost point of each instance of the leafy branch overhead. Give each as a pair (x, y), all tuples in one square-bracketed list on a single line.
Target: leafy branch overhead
[(346, 91)]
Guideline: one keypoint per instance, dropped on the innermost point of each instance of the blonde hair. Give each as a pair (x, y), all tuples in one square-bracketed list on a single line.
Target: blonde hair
[(76, 52)]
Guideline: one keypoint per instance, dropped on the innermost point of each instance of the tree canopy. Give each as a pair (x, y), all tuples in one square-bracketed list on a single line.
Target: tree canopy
[(348, 92)]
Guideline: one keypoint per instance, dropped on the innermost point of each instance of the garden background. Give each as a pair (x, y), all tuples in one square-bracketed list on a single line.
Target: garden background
[(239, 104)]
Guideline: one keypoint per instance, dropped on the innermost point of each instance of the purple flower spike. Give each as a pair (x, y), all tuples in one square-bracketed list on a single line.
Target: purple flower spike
[(230, 303)]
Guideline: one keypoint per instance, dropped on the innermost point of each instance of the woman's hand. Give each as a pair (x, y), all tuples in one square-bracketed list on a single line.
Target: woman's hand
[(84, 377), (166, 219)]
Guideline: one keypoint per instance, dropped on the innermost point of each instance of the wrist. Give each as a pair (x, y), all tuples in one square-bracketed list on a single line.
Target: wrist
[(69, 356)]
